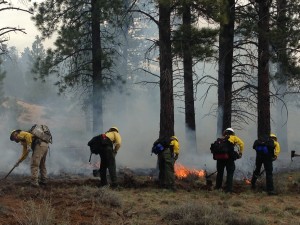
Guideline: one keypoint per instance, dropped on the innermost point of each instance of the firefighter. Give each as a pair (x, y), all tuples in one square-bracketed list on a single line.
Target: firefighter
[(229, 163), (166, 162), (267, 151), (108, 157), (39, 150)]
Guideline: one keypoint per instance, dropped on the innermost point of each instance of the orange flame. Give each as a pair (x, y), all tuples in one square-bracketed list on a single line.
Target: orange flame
[(247, 181), (182, 171)]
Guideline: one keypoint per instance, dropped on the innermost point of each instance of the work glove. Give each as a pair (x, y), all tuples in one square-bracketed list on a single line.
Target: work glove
[(115, 152), (239, 155), (274, 158), (175, 157)]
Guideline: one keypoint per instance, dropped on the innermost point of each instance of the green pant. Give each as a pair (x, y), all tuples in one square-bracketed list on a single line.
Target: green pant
[(166, 169)]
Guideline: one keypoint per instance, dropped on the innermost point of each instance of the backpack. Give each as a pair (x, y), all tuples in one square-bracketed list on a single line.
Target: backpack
[(264, 146), (221, 148), (97, 143), (42, 132), (160, 144)]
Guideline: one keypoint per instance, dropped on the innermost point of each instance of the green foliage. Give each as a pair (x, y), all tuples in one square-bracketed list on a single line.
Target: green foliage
[(202, 42), (71, 57)]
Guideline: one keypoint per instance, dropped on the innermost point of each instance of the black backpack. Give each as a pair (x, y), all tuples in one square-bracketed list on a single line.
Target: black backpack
[(264, 146), (222, 149), (160, 144), (97, 143)]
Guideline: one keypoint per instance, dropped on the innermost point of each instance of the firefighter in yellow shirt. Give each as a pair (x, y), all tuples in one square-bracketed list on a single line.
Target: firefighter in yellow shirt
[(108, 160), (39, 150), (166, 162), (267, 150)]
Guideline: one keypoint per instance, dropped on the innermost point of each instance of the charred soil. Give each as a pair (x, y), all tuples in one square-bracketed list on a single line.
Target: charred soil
[(78, 200)]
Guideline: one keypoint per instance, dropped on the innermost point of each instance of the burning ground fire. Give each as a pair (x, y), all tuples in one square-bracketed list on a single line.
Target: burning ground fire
[(182, 171)]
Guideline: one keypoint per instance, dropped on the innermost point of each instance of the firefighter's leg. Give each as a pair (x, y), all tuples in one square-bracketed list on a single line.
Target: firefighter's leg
[(220, 173), (268, 164), (230, 168), (169, 166), (103, 167), (162, 169), (35, 163), (256, 172), (43, 169), (112, 169)]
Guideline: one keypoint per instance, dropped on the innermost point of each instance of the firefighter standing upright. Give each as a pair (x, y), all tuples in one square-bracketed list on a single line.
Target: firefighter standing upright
[(166, 161), (228, 162), (39, 152), (267, 151)]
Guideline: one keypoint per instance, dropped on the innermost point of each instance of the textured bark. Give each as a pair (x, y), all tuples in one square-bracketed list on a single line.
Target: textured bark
[(166, 76), (263, 95), (225, 65), (188, 81), (97, 68), (281, 130)]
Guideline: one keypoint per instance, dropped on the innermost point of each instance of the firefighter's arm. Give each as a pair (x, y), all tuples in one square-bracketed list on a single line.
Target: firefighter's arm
[(118, 141), (237, 141), (175, 146), (24, 155), (26, 140), (277, 149)]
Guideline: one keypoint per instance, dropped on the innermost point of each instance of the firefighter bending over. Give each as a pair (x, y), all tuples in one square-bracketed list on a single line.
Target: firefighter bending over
[(39, 150)]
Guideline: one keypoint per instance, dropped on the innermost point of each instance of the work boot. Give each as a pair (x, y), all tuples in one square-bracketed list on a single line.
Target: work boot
[(43, 182), (272, 193), (34, 184)]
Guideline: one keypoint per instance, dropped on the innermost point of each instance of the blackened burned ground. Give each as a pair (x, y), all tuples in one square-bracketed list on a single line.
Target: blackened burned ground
[(141, 194)]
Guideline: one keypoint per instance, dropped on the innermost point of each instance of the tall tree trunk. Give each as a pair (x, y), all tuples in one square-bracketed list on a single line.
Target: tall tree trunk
[(188, 81), (227, 9), (97, 68), (166, 76), (282, 45), (263, 95)]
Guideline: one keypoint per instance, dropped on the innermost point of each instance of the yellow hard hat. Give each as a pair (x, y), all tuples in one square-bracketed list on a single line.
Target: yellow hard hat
[(12, 135), (174, 137), (114, 128), (12, 138), (273, 136)]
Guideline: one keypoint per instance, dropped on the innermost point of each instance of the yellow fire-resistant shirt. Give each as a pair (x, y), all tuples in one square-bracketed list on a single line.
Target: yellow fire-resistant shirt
[(26, 141), (115, 138), (175, 145), (237, 141), (277, 148)]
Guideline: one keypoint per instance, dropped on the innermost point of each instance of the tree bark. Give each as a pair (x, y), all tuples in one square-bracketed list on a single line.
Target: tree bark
[(188, 81), (97, 69), (225, 65), (263, 94), (166, 73)]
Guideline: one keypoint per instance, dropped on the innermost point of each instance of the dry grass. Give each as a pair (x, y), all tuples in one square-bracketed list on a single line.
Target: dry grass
[(34, 213), (78, 201), (198, 214)]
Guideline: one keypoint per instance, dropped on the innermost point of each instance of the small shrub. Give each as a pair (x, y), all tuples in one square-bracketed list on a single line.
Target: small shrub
[(36, 214), (196, 214), (100, 196)]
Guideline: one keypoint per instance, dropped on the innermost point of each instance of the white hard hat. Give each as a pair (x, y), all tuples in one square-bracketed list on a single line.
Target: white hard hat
[(229, 129)]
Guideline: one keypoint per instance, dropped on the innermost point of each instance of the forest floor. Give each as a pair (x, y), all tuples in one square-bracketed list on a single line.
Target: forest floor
[(77, 200)]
